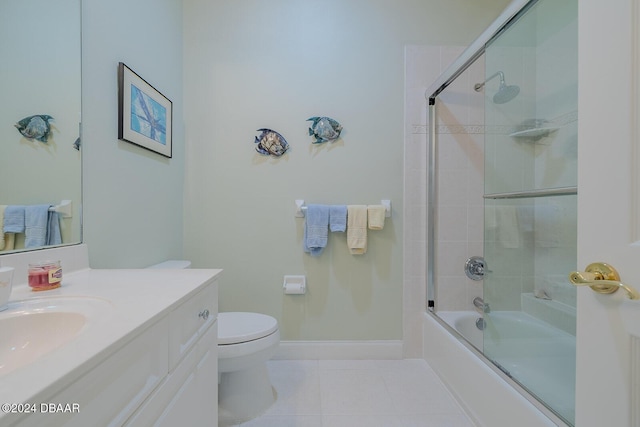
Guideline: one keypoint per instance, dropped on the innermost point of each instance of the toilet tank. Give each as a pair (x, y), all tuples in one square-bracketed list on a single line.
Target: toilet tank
[(172, 264)]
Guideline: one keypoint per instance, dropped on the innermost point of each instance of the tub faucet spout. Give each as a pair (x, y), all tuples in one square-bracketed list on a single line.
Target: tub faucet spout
[(480, 305)]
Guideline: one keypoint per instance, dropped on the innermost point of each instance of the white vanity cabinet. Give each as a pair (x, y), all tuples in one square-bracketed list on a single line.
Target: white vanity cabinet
[(195, 403), (165, 375), (189, 394)]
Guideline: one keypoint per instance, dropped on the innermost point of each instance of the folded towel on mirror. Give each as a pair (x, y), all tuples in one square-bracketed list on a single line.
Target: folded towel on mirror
[(376, 214), (9, 241), (316, 229), (36, 219), (357, 229), (2, 234), (14, 219), (338, 218), (54, 236)]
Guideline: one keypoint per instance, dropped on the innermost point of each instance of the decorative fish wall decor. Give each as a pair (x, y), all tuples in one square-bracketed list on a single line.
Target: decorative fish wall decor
[(35, 127), (271, 143), (324, 129)]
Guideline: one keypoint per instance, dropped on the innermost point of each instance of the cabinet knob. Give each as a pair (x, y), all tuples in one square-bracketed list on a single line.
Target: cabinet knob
[(204, 314)]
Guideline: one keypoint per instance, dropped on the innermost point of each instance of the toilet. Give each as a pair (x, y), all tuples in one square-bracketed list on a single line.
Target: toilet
[(245, 342)]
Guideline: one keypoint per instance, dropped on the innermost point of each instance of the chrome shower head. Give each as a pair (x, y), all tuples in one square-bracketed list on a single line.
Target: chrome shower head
[(504, 94)]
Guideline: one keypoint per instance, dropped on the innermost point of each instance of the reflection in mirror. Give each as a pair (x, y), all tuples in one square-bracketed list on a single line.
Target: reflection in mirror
[(40, 159)]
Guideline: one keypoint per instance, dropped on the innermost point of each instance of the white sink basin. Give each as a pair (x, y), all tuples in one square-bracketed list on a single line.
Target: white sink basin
[(30, 329)]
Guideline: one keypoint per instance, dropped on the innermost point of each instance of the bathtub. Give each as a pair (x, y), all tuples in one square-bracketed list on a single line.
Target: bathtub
[(464, 322), (526, 350)]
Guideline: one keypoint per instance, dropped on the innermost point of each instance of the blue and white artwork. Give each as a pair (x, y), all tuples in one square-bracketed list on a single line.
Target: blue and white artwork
[(145, 116), (148, 117)]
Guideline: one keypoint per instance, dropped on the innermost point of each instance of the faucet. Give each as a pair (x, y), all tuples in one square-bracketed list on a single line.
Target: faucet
[(480, 305)]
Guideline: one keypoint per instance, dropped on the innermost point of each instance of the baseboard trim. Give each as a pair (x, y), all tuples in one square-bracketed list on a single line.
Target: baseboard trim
[(339, 350)]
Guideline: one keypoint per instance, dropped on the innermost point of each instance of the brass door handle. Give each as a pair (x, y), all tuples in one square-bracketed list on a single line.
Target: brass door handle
[(603, 279)]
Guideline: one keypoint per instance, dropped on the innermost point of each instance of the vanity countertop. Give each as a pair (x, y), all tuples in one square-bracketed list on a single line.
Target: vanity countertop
[(134, 300)]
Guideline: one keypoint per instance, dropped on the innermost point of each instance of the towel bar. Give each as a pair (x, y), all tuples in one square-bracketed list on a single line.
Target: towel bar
[(64, 209), (301, 208)]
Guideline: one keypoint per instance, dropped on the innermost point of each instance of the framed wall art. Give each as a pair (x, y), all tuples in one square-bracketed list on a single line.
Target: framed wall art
[(144, 114)]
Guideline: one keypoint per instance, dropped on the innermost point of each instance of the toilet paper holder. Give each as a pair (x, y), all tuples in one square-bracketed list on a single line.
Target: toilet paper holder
[(294, 285)]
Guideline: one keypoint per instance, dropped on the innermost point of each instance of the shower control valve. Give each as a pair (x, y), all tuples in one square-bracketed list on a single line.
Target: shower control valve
[(474, 268)]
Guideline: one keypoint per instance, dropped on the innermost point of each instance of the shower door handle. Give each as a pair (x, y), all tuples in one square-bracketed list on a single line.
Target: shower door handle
[(603, 279)]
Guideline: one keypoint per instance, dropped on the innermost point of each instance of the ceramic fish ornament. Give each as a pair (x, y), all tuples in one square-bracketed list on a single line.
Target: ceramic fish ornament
[(76, 143), (271, 142), (35, 127), (324, 129)]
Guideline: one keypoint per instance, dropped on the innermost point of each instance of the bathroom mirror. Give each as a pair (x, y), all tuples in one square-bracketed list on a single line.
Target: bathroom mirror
[(40, 157)]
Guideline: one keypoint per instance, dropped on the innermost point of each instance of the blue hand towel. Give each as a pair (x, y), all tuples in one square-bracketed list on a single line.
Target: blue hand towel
[(53, 229), (36, 218), (14, 219), (316, 229), (338, 218)]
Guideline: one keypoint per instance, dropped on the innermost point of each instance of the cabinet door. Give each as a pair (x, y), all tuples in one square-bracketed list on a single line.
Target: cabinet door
[(189, 321), (196, 402)]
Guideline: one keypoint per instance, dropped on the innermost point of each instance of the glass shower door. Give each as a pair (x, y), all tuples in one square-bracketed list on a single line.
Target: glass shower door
[(530, 178)]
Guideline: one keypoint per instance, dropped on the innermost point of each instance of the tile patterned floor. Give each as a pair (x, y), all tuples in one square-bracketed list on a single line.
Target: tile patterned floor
[(354, 393)]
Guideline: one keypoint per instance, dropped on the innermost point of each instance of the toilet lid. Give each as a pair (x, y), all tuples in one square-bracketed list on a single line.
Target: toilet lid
[(239, 327)]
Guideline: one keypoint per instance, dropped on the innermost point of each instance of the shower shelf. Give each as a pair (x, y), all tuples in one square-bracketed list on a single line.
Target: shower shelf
[(535, 133)]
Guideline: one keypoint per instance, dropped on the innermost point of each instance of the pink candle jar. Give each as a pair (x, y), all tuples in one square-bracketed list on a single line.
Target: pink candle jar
[(45, 275)]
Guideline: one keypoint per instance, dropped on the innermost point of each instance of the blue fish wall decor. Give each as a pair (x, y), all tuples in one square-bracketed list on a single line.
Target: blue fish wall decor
[(35, 127), (271, 143), (324, 129)]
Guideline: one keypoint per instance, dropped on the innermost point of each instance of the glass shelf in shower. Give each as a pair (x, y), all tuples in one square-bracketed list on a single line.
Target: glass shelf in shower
[(534, 134)]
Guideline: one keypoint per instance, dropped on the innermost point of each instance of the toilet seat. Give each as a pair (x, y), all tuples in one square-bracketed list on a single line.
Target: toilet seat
[(242, 327)]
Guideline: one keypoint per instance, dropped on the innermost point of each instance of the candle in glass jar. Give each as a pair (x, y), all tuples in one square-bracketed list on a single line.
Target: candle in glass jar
[(45, 275)]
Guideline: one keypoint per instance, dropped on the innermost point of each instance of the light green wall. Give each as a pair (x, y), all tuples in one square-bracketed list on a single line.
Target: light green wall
[(253, 64), (133, 198)]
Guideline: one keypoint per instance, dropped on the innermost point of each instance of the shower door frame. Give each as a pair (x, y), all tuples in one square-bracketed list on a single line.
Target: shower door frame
[(510, 15)]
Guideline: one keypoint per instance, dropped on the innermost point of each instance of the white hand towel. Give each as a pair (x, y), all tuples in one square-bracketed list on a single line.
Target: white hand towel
[(376, 214), (526, 214), (548, 231), (508, 233), (357, 229), (9, 241), (490, 220)]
